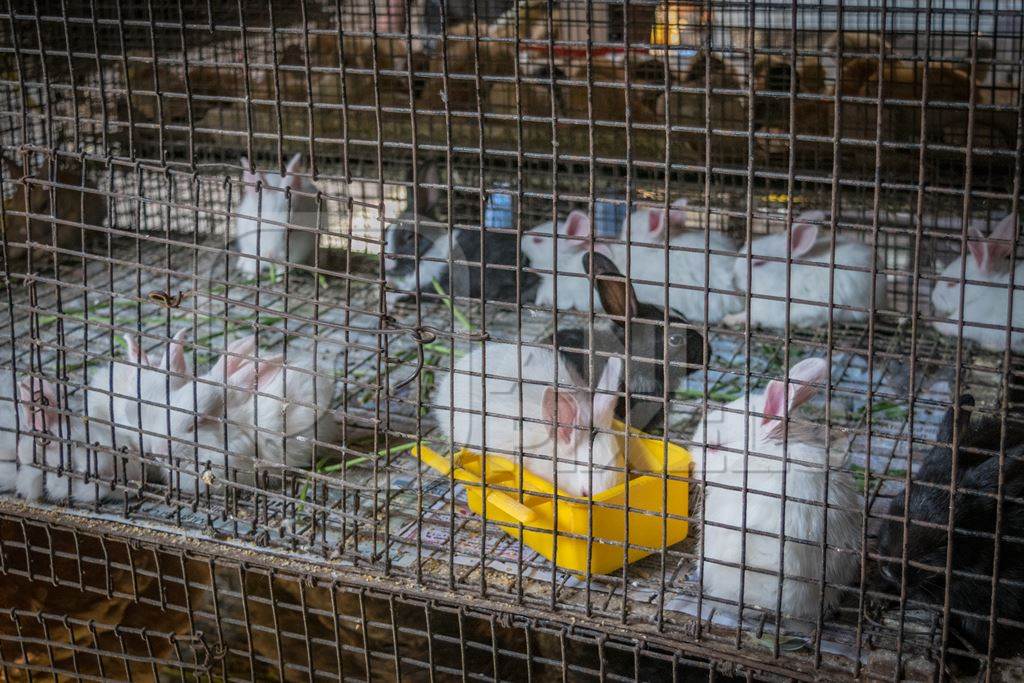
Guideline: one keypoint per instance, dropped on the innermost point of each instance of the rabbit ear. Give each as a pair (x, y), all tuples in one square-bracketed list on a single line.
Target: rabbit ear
[(38, 400), (577, 228), (237, 353), (135, 352), (677, 214), (985, 250), (606, 397), (254, 375), (294, 164), (249, 175), (292, 170), (427, 197), (174, 359), (268, 370), (803, 238), (564, 424), (1006, 229), (655, 222), (778, 402), (615, 292)]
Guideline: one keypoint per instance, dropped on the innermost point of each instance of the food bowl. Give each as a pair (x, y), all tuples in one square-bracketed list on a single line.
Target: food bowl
[(586, 535)]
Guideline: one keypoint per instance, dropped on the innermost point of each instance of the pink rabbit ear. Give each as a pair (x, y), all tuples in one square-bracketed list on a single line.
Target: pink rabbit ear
[(255, 376), (978, 248), (564, 425), (268, 371), (135, 352), (237, 353), (803, 238), (174, 359), (802, 378), (655, 222), (38, 400), (577, 228), (249, 175), (677, 214), (988, 251)]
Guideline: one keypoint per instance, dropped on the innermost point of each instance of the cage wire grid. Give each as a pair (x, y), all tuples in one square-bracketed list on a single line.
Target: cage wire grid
[(123, 125)]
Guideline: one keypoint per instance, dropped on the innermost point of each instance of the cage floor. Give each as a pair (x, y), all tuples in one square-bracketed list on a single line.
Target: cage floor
[(373, 506)]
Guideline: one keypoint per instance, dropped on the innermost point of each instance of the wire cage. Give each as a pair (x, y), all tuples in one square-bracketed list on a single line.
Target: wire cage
[(505, 339)]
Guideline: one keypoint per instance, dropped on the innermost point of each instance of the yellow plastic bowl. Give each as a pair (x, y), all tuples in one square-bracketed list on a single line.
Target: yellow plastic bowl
[(657, 505)]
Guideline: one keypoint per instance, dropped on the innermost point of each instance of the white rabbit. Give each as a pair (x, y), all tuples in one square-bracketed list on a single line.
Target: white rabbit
[(263, 409), (62, 441), (293, 400), (114, 389), (721, 460), (851, 289), (279, 227), (645, 231), (9, 427), (542, 389), (564, 257), (983, 304)]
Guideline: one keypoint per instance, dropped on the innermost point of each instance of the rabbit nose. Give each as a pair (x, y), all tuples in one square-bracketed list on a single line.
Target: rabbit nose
[(389, 264)]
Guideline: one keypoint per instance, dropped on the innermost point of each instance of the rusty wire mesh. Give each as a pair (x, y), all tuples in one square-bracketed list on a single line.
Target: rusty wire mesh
[(210, 206)]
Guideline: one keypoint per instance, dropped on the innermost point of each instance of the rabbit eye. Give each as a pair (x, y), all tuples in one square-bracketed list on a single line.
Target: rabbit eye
[(676, 340), (757, 264), (538, 240)]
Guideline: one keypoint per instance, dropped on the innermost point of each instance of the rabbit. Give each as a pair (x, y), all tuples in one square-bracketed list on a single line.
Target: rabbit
[(251, 403), (9, 428), (292, 399), (645, 234), (430, 255), (851, 289), (63, 441), (645, 324), (720, 460), (926, 507), (559, 256), (983, 304), (112, 396), (278, 226), (545, 389)]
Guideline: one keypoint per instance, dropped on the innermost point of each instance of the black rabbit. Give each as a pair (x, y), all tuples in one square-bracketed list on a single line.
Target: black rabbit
[(648, 365), (975, 511), (422, 246)]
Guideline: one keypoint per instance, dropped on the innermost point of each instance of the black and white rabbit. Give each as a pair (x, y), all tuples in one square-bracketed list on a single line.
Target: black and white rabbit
[(648, 340), (975, 509), (418, 250)]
